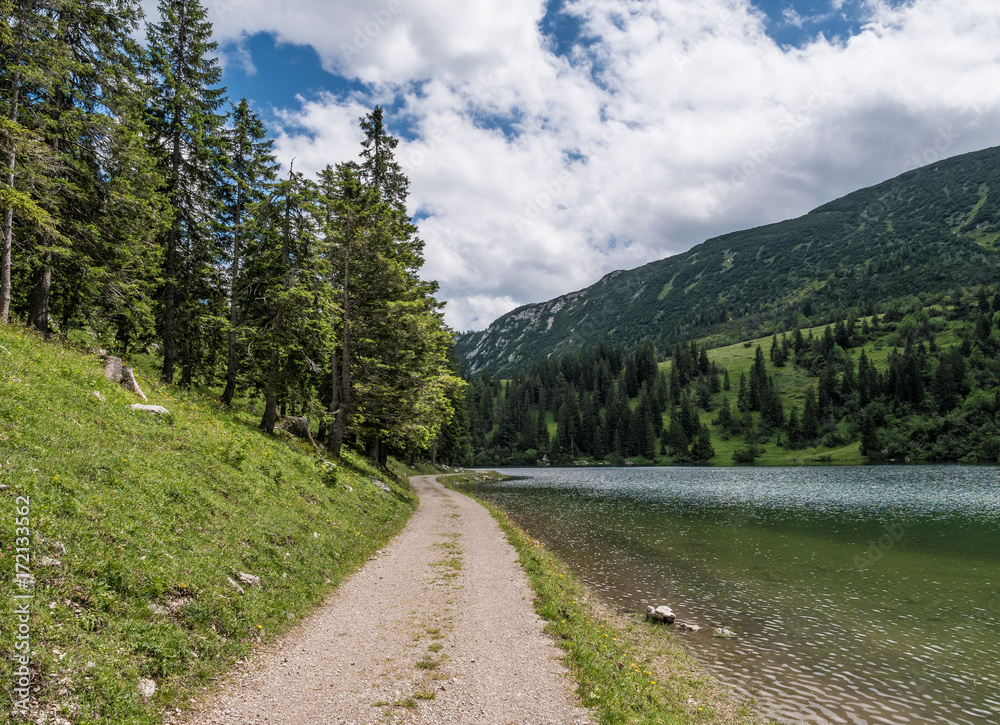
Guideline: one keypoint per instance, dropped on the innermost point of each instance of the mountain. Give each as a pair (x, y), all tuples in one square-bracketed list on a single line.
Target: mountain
[(931, 229)]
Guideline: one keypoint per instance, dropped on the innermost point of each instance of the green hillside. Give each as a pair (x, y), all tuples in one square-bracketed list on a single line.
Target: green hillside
[(919, 381), (928, 230), (138, 522)]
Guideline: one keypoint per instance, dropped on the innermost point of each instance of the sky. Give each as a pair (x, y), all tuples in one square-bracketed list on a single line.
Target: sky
[(549, 142)]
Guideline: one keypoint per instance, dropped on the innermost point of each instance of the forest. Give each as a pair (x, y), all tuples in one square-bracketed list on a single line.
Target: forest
[(144, 208), (917, 381)]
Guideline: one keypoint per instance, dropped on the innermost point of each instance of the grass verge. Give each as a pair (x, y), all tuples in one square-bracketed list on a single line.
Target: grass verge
[(627, 670), (140, 526)]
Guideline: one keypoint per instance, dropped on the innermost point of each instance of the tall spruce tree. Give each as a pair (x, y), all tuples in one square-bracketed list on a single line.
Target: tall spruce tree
[(250, 170), (188, 140)]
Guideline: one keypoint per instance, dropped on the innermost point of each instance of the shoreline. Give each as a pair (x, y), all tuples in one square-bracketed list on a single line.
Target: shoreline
[(626, 669)]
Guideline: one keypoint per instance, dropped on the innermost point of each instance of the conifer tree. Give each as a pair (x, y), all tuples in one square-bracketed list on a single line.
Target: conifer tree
[(188, 139), (249, 173)]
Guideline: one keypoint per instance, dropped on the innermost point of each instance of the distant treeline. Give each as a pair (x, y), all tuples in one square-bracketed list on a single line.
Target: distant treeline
[(929, 400)]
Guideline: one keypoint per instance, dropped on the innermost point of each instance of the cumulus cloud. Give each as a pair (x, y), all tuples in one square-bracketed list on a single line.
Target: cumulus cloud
[(535, 174)]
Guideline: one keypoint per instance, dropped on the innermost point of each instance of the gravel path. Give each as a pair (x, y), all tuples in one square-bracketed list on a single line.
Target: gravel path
[(438, 628)]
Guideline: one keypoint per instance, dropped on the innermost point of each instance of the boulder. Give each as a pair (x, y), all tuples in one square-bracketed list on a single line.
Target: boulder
[(157, 409), (662, 613), (113, 368), (381, 486), (147, 688)]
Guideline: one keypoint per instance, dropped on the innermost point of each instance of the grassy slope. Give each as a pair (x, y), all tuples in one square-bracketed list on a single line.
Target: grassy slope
[(792, 382), (627, 670), (161, 511)]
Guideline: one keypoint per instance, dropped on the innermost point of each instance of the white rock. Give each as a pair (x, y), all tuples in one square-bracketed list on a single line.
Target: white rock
[(724, 633), (248, 579), (158, 409), (49, 561), (234, 585), (147, 687), (158, 609), (379, 484), (97, 394), (684, 627)]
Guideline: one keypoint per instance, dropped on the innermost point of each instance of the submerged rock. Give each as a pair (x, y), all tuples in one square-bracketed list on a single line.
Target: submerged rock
[(724, 633)]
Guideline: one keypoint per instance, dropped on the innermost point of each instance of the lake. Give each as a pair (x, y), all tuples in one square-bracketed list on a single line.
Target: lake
[(860, 594)]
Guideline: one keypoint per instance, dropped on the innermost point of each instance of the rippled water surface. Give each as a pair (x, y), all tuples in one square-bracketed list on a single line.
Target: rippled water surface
[(861, 595)]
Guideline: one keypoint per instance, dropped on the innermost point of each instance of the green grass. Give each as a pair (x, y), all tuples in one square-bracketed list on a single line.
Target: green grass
[(144, 518), (626, 670)]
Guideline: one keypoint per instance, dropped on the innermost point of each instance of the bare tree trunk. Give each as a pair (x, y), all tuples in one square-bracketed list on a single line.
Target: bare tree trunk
[(38, 314)]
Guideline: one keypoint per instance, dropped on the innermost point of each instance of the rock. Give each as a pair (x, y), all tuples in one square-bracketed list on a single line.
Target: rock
[(97, 394), (249, 579), (128, 380), (685, 627), (113, 368), (234, 585), (662, 613), (49, 561), (724, 633), (158, 609), (147, 687), (158, 409), (380, 485)]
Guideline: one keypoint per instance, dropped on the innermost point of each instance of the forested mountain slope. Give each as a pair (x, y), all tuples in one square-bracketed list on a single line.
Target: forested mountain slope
[(927, 230)]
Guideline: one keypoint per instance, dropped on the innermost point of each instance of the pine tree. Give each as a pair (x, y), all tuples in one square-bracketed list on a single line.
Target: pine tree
[(250, 171), (188, 141), (702, 449)]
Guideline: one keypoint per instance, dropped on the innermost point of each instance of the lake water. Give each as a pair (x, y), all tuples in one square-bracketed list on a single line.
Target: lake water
[(860, 595)]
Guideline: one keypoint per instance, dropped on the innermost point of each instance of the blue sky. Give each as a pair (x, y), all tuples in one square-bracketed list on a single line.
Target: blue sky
[(549, 142)]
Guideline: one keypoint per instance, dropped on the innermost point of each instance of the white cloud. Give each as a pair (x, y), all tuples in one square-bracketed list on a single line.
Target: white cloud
[(681, 120)]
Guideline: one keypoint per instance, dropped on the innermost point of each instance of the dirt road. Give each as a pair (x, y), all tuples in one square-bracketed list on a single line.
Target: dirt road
[(439, 628)]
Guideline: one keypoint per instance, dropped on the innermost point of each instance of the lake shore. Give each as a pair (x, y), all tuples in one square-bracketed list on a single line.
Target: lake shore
[(627, 669)]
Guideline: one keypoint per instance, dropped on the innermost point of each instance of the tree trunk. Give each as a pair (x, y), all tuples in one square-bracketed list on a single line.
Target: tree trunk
[(170, 268), (8, 213), (230, 391), (345, 372), (271, 390), (334, 405), (38, 313), (271, 396)]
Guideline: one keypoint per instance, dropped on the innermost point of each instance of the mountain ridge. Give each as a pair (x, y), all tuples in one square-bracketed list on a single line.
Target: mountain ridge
[(929, 229)]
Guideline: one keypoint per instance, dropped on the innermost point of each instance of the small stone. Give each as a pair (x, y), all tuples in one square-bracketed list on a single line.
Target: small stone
[(49, 561), (724, 633), (158, 609), (380, 485), (248, 579), (234, 585), (685, 627), (315, 535), (97, 394), (147, 687)]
